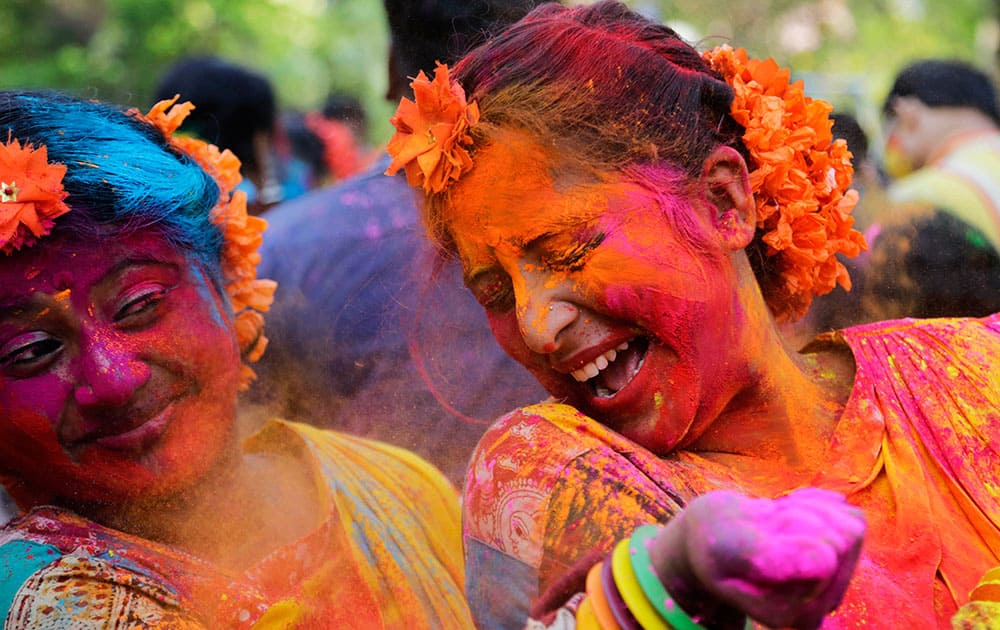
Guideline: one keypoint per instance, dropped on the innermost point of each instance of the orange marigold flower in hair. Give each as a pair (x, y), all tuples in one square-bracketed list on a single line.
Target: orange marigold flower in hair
[(800, 177), (242, 234), (31, 194), (168, 114), (432, 132)]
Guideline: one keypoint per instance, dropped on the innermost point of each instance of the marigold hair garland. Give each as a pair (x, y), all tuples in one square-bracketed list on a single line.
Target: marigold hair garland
[(800, 178), (242, 233)]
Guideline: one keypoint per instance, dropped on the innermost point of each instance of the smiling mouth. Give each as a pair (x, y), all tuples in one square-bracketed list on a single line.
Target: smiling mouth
[(609, 373), (134, 439)]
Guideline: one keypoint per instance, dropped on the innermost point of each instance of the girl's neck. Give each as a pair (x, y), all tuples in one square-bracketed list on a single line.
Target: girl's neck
[(778, 427), (238, 513)]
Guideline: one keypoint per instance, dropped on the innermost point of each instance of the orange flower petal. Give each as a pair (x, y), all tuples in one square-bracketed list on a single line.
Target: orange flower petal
[(31, 194), (242, 234), (431, 132), (800, 178)]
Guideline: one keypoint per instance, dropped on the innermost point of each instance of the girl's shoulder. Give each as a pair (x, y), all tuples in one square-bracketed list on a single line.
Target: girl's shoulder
[(55, 572)]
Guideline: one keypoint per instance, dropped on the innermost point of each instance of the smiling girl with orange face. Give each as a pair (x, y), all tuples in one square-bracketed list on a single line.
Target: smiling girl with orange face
[(597, 290), (636, 218)]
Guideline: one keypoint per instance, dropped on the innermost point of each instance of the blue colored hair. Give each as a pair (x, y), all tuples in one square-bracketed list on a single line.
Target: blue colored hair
[(121, 174)]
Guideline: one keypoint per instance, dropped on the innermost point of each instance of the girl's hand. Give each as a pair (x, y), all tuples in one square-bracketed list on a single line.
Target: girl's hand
[(784, 562)]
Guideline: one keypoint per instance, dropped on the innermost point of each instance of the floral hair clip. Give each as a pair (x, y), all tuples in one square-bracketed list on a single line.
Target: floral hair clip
[(432, 132), (800, 179), (31, 194), (242, 233)]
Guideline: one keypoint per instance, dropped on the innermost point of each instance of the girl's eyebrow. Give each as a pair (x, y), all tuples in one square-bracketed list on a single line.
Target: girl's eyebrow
[(36, 304), (132, 262), (16, 305), (135, 261)]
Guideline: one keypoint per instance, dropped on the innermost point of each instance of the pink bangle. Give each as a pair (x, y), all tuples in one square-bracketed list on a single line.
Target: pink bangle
[(614, 599)]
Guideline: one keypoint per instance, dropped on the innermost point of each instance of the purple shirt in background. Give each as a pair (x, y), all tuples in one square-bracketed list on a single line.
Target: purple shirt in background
[(354, 293)]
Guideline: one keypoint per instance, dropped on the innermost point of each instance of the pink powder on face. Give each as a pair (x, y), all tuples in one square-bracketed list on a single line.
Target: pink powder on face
[(652, 271), (118, 363)]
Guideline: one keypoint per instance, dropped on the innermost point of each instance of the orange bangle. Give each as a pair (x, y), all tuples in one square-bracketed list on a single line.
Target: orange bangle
[(595, 595)]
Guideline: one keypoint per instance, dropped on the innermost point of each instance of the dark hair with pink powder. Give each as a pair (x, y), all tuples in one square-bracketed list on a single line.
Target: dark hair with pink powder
[(607, 86), (605, 90)]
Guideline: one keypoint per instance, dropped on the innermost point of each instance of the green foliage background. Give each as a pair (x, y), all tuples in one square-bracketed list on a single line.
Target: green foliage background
[(116, 49)]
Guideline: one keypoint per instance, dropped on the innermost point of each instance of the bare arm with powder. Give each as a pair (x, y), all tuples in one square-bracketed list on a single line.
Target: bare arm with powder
[(785, 562)]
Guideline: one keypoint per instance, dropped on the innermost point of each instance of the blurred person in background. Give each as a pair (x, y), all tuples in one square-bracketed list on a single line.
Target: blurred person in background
[(932, 233), (342, 127), (868, 178), (304, 160), (323, 146), (348, 109), (922, 262), (235, 109), (358, 331), (943, 141)]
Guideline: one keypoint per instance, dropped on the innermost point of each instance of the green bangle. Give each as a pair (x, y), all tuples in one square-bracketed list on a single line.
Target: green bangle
[(642, 566), (635, 599), (638, 546)]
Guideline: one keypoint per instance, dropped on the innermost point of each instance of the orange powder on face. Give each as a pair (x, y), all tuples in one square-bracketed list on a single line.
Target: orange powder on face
[(511, 199), (498, 199)]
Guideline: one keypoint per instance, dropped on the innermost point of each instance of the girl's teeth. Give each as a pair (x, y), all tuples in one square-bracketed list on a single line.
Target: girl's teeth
[(593, 368)]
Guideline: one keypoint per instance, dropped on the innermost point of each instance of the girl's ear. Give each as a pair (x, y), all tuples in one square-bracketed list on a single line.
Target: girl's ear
[(725, 183)]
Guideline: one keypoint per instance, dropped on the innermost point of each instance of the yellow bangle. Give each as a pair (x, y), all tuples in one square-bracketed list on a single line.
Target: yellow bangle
[(598, 604), (631, 591), (585, 617)]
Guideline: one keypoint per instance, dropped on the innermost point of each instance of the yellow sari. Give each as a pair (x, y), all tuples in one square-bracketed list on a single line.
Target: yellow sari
[(387, 556)]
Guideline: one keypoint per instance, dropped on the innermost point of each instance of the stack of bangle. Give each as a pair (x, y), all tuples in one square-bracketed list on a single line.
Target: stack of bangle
[(624, 592)]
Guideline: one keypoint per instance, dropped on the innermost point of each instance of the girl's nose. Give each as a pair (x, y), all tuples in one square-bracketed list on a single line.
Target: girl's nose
[(110, 372), (544, 311)]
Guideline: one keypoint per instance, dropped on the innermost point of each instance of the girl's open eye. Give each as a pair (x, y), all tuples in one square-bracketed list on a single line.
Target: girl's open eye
[(140, 304), (29, 353), (493, 290)]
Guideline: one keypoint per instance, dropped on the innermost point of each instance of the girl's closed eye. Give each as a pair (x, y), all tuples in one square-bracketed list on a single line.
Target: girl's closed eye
[(29, 352), (493, 290), (574, 256), (140, 304)]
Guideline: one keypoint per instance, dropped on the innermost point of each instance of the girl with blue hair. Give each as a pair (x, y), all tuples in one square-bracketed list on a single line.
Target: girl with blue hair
[(129, 310)]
